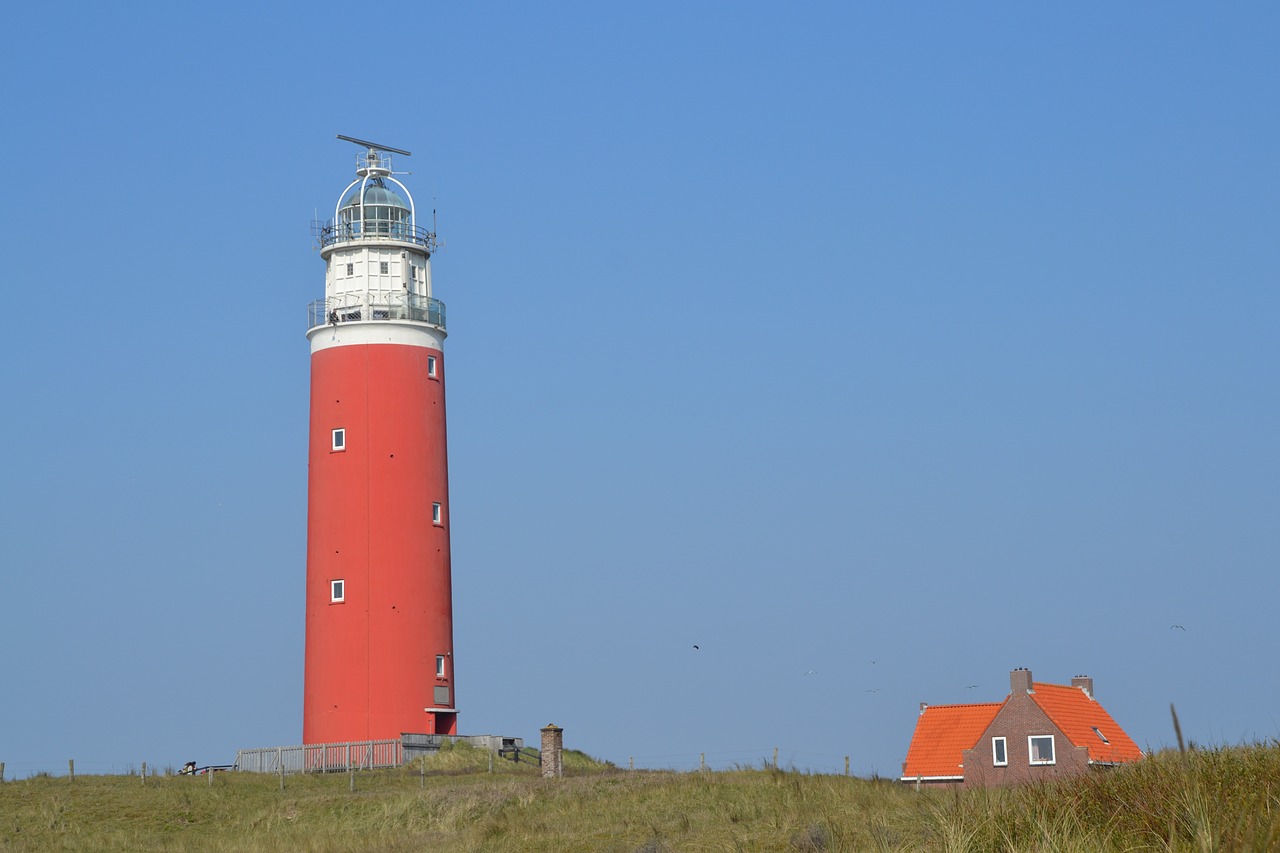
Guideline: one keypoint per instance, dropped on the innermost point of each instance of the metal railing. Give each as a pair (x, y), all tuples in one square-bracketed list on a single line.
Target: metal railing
[(354, 755), (377, 229), (322, 757), (358, 307)]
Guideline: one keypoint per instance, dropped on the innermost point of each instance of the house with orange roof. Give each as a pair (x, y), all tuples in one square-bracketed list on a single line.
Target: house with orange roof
[(1039, 732)]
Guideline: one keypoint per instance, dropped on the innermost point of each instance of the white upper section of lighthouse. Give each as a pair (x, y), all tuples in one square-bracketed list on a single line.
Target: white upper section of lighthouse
[(377, 262)]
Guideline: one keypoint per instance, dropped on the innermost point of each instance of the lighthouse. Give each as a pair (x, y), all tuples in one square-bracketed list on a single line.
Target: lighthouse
[(379, 613)]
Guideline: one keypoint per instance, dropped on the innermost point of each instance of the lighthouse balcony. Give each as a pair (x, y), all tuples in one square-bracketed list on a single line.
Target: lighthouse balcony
[(359, 307), (376, 229)]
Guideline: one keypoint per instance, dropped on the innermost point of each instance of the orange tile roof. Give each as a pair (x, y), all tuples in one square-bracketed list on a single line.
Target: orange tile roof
[(942, 733), (1076, 714)]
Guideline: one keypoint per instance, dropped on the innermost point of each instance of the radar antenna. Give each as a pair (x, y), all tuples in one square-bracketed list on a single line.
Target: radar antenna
[(373, 145)]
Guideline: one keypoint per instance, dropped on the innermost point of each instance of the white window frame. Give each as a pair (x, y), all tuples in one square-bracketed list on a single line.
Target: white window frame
[(351, 270), (1031, 752), (339, 439), (437, 513), (431, 366), (1097, 731), (384, 268), (337, 591), (995, 755), (439, 666)]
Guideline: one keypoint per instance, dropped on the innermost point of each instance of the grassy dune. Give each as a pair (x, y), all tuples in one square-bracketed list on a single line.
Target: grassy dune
[(1223, 800)]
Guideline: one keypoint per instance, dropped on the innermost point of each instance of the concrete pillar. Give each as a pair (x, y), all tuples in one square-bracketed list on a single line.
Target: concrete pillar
[(552, 752)]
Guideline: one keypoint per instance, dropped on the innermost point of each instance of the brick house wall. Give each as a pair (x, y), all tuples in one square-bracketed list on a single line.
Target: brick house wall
[(1019, 719)]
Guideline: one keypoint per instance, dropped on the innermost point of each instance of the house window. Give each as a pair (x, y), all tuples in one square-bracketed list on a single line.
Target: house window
[(439, 666), (1040, 748), (383, 267), (436, 513), (1100, 735), (339, 439), (999, 752), (351, 270), (337, 591), (431, 365)]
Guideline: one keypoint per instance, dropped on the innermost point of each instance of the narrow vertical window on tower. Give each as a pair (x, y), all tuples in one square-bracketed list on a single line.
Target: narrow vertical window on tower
[(340, 439), (351, 270), (437, 514), (337, 591), (384, 267), (439, 666), (431, 365)]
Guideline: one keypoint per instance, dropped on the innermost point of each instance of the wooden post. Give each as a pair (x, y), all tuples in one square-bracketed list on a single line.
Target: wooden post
[(210, 772), (144, 772), (631, 763), (846, 765), (702, 761), (351, 779), (71, 769), (422, 771), (1, 771), (775, 758), (280, 764)]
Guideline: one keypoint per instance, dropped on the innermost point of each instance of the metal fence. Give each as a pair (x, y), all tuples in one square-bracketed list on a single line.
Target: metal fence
[(354, 307), (357, 755), (322, 757)]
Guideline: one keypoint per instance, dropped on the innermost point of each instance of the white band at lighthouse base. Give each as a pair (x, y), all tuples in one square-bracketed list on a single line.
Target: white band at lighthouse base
[(375, 332)]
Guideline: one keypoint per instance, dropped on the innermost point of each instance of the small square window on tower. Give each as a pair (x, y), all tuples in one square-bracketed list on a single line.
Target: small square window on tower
[(437, 514), (339, 439), (384, 267), (337, 591), (431, 365)]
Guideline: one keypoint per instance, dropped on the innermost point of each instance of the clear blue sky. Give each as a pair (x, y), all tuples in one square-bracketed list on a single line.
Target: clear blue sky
[(906, 343)]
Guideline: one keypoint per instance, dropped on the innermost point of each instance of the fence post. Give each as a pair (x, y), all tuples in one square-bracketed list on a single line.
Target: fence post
[(1, 771), (280, 764), (702, 761), (846, 765), (351, 779), (775, 758), (210, 772), (631, 762), (422, 771), (71, 768)]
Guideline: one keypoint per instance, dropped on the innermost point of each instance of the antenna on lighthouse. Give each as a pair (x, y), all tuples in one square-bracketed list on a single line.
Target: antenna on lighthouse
[(373, 146)]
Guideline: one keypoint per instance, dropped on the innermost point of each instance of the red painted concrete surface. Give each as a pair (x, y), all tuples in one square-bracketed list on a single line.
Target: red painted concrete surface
[(370, 668)]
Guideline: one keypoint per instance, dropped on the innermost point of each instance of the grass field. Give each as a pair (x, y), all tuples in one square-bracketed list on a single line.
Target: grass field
[(1224, 800)]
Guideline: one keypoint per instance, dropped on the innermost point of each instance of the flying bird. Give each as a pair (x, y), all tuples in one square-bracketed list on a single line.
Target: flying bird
[(695, 645), (970, 686), (811, 672), (1179, 627), (874, 690)]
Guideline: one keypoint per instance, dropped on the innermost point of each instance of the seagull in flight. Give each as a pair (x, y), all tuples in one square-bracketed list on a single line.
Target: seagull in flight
[(874, 689), (695, 645), (1179, 627)]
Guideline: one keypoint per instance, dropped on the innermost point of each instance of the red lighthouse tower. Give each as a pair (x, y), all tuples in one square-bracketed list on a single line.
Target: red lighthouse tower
[(379, 640)]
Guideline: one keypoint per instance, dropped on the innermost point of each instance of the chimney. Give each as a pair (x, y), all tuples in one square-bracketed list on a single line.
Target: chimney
[(552, 751), (1085, 683), (1020, 680), (923, 705)]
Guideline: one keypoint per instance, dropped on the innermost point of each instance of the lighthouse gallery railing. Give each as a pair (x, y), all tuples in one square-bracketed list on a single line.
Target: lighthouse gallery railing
[(353, 307)]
